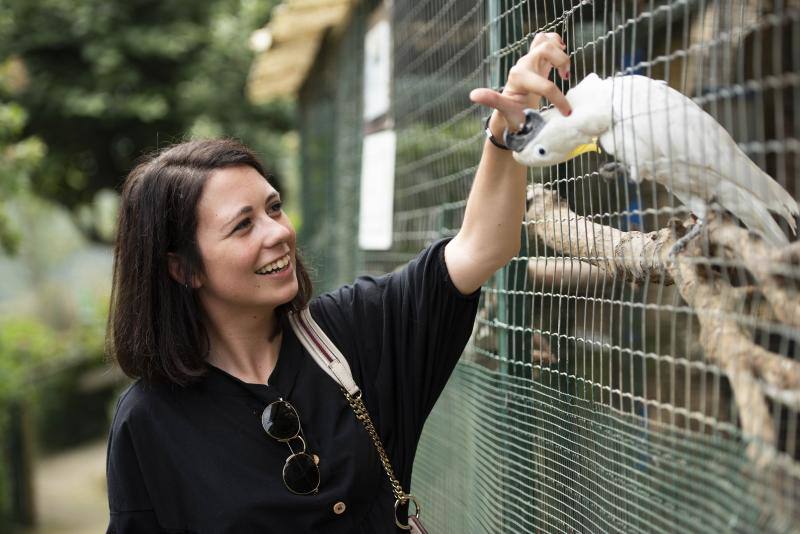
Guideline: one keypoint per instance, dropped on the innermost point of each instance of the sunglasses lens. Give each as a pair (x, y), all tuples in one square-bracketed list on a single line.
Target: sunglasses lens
[(301, 474), (280, 421)]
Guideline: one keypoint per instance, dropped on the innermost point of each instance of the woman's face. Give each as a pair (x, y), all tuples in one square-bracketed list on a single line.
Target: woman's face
[(246, 241)]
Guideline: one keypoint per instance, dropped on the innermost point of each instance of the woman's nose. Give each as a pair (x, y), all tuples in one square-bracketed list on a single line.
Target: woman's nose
[(274, 232)]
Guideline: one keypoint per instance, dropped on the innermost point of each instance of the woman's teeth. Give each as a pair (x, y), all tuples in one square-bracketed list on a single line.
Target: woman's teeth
[(275, 266)]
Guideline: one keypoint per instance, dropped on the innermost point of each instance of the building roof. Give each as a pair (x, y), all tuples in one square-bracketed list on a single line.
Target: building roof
[(286, 47)]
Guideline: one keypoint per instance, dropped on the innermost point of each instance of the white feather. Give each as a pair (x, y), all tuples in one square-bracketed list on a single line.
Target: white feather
[(662, 135)]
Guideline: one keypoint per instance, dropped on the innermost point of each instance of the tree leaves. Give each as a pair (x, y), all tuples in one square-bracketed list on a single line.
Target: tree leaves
[(133, 74)]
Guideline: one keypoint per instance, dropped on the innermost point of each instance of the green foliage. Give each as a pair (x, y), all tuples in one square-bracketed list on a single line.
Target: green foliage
[(24, 344), (19, 158), (111, 79), (29, 348), (41, 366)]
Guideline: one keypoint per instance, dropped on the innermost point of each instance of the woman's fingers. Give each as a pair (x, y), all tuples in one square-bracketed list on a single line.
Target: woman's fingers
[(527, 81), (544, 37), (545, 55), (522, 80), (511, 109)]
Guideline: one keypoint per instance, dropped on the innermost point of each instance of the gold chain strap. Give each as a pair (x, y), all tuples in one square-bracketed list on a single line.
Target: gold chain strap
[(400, 496), (362, 415)]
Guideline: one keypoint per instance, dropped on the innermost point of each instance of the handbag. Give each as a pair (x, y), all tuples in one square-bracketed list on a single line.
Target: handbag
[(330, 359)]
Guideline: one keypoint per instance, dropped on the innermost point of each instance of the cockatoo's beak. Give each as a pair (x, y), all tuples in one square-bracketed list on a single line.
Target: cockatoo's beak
[(582, 149), (517, 141)]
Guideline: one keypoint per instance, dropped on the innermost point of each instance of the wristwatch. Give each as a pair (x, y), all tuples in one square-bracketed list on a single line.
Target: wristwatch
[(517, 140)]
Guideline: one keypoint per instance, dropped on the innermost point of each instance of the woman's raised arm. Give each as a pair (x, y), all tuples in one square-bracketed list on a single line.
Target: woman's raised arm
[(489, 236)]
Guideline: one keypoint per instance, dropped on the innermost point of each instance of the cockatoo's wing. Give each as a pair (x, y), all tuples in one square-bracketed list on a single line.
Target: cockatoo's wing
[(634, 147), (653, 123), (638, 107), (740, 202)]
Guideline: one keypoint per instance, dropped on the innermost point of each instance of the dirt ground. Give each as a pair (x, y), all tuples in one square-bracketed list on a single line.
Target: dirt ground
[(71, 492)]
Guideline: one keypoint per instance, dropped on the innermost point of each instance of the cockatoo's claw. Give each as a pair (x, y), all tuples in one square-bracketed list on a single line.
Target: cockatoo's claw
[(611, 170), (681, 243)]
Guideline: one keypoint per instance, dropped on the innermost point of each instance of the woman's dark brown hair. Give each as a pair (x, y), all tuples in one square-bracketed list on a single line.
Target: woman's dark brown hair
[(155, 328)]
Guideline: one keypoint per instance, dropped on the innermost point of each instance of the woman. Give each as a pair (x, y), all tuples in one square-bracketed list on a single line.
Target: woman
[(206, 271)]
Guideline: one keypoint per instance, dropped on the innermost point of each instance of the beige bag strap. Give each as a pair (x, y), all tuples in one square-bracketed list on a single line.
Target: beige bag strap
[(322, 349), (330, 359)]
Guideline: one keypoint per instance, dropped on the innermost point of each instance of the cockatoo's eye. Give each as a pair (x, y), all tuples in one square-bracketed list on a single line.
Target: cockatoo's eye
[(541, 150)]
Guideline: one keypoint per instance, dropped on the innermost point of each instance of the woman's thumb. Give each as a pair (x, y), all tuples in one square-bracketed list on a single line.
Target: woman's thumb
[(511, 110)]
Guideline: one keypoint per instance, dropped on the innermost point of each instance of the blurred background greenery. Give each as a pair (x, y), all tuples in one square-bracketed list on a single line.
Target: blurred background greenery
[(87, 87)]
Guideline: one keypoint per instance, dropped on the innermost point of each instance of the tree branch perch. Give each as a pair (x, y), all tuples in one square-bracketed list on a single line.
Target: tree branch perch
[(753, 371), (633, 256)]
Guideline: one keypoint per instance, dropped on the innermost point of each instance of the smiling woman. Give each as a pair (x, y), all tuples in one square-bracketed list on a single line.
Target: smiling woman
[(180, 251), (249, 263), (208, 286)]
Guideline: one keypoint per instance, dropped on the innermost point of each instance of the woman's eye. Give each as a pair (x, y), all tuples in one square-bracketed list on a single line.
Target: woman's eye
[(242, 225), (276, 208)]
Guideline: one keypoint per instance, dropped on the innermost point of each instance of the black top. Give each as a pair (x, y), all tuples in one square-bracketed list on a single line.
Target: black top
[(196, 459)]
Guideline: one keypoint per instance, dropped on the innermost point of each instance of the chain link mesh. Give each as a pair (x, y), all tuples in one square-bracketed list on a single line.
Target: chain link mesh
[(584, 403)]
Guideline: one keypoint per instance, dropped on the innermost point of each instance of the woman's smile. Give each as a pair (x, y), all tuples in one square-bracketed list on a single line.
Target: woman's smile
[(278, 266), (279, 270)]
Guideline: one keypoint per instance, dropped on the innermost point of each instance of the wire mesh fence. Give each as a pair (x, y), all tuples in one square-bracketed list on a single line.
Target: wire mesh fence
[(611, 383)]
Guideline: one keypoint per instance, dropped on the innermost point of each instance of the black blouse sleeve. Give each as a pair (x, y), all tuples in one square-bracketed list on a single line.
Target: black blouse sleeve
[(402, 334), (128, 500)]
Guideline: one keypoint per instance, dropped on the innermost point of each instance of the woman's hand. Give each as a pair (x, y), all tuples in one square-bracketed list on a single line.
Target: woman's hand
[(527, 83)]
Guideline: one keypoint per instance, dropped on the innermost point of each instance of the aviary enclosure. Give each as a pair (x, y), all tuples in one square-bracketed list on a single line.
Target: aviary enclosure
[(609, 386)]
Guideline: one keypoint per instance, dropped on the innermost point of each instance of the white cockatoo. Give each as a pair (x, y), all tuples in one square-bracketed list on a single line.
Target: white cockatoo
[(658, 134)]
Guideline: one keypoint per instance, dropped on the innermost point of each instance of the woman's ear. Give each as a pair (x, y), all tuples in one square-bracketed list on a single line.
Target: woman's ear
[(175, 265)]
